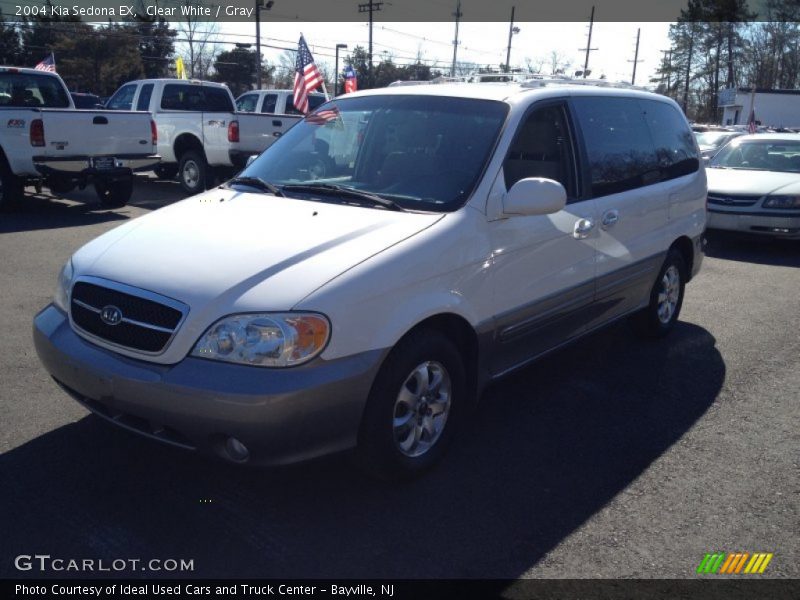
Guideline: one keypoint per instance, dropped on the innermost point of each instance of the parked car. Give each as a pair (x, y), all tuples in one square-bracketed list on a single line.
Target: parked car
[(253, 110), (45, 140), (711, 141), (476, 228), (754, 185), (197, 127), (89, 101)]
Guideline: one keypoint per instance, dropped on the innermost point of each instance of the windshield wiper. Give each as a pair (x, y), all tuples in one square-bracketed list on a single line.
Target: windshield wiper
[(341, 190), (258, 183)]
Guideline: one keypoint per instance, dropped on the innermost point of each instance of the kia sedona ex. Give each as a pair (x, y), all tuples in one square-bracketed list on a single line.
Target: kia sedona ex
[(360, 283)]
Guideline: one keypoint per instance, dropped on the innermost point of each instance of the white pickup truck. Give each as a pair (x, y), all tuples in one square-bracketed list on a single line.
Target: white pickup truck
[(45, 140), (277, 106)]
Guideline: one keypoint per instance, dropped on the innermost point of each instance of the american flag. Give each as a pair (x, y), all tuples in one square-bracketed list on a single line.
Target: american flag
[(306, 77), (350, 79), (48, 64), (321, 117), (751, 122)]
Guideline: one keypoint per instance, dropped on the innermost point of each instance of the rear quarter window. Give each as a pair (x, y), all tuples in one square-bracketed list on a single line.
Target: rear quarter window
[(673, 141)]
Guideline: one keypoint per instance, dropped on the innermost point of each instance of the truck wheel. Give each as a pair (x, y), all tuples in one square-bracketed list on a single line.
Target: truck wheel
[(166, 171), (11, 188), (666, 298), (194, 173), (413, 407), (114, 193)]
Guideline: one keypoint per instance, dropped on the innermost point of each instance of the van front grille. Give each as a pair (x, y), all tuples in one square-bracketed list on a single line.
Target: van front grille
[(124, 319)]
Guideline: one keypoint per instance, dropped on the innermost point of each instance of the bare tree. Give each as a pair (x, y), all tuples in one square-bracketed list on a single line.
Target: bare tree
[(198, 44), (558, 62), (534, 65)]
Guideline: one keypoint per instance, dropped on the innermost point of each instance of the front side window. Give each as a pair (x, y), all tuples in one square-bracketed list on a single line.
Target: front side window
[(422, 152), (123, 99), (618, 143), (247, 103), (542, 148)]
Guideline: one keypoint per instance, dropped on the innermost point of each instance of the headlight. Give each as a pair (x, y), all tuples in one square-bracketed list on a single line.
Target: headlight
[(265, 339), (61, 299), (782, 202)]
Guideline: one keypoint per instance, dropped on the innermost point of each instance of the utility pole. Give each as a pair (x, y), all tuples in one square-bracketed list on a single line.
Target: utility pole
[(458, 14), (636, 57), (267, 6), (511, 31), (588, 44), (370, 7)]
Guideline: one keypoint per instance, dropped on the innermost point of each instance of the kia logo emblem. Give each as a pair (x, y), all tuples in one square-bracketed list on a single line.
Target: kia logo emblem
[(727, 200), (111, 315)]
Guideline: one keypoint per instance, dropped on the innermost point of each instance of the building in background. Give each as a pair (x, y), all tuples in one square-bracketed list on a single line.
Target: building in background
[(773, 108)]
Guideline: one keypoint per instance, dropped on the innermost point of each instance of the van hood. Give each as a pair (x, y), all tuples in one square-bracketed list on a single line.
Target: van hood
[(746, 181), (225, 251)]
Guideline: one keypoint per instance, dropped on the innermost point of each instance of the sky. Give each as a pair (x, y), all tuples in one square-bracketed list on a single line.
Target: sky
[(483, 43)]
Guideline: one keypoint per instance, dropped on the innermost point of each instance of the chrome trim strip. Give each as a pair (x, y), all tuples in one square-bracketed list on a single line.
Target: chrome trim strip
[(87, 306), (125, 319)]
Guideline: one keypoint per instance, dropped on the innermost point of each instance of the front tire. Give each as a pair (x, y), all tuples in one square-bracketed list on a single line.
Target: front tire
[(114, 193), (666, 299), (194, 174), (413, 408), (166, 172)]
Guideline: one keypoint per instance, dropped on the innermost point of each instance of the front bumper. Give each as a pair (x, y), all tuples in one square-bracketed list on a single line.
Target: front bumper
[(282, 415), (83, 166), (764, 223)]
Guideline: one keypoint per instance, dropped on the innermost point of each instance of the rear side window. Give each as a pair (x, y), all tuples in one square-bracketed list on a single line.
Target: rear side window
[(27, 89), (270, 102), (674, 146), (314, 102), (123, 99), (618, 143), (217, 100), (181, 96), (143, 102)]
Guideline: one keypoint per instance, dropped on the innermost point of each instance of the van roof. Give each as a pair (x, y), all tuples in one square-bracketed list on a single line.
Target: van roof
[(507, 92)]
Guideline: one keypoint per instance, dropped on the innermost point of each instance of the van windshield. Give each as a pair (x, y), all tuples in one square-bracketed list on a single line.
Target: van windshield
[(423, 152)]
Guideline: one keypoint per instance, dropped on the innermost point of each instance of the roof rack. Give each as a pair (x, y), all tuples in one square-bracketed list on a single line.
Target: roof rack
[(538, 82)]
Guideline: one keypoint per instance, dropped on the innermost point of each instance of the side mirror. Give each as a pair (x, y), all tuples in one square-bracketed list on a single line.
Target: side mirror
[(534, 196)]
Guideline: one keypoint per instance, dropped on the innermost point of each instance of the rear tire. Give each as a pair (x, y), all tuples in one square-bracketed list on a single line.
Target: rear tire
[(114, 193), (414, 407), (194, 174), (666, 299), (167, 172), (11, 187)]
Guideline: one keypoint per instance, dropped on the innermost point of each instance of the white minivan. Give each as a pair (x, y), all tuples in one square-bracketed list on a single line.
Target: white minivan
[(360, 282)]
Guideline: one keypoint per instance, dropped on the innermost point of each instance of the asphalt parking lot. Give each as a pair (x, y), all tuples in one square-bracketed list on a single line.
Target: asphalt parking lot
[(612, 458)]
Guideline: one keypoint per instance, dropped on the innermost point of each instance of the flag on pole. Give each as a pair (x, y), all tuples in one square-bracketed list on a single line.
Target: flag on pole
[(306, 77), (751, 122), (350, 79), (180, 68), (48, 64)]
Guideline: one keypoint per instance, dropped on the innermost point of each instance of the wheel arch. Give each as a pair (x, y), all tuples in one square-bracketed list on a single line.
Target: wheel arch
[(684, 245), (185, 142)]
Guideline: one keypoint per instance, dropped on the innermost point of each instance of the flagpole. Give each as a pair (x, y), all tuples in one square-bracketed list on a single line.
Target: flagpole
[(325, 91)]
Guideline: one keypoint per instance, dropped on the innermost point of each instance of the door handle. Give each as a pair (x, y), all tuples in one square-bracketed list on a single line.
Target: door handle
[(276, 123), (100, 121), (583, 227), (610, 218)]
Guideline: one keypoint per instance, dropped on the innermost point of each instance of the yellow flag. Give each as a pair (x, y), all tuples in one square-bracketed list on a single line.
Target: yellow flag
[(180, 69)]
